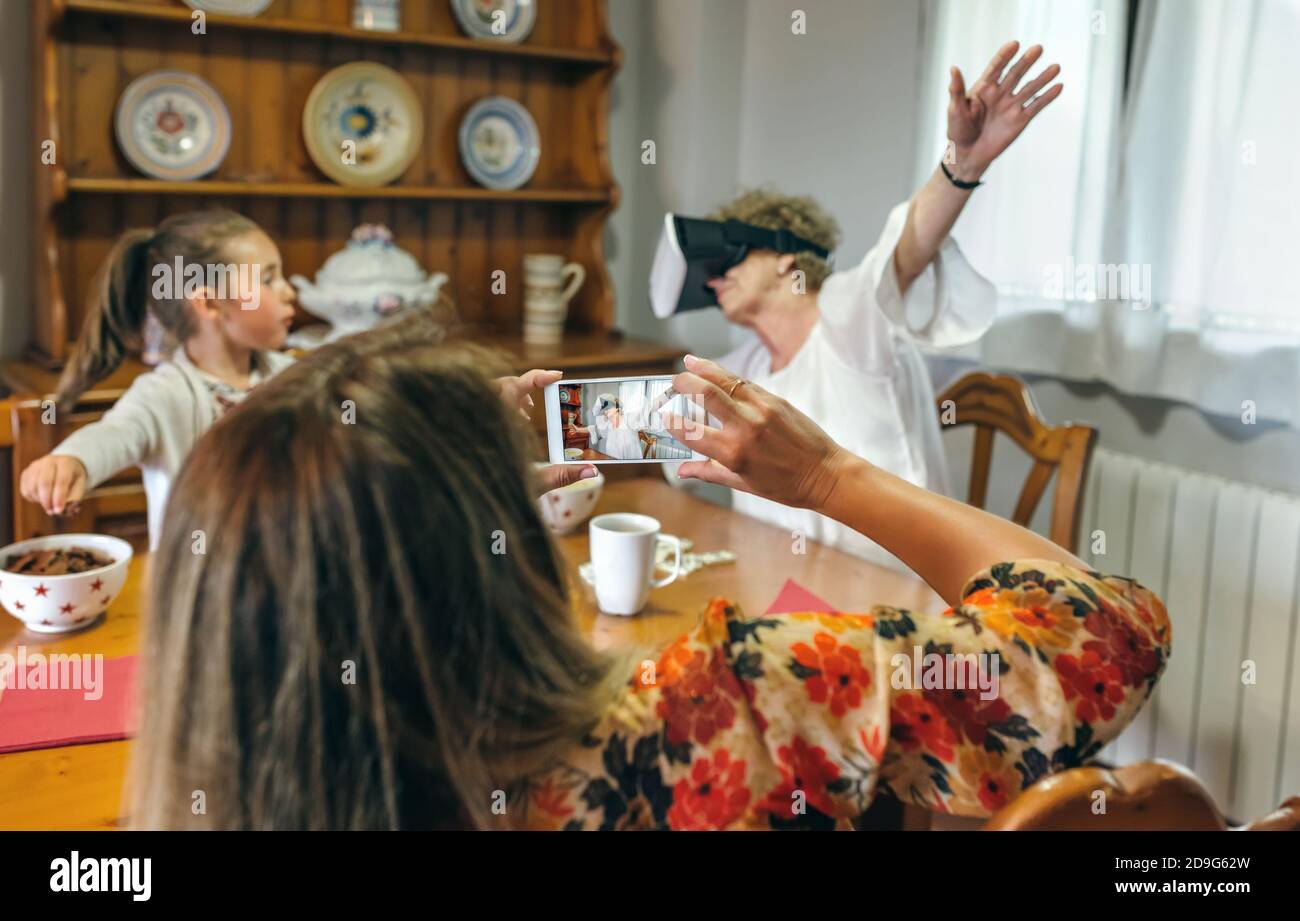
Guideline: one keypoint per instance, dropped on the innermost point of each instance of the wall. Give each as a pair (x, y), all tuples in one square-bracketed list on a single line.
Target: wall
[(16, 146)]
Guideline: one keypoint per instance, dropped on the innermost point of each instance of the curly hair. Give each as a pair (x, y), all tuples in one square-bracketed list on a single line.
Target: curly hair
[(799, 214)]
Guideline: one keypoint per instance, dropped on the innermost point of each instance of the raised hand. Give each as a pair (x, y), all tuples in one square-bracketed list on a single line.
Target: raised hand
[(986, 120)]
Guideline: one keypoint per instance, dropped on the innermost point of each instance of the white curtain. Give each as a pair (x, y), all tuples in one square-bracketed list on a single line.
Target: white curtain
[(1211, 188), (1189, 184)]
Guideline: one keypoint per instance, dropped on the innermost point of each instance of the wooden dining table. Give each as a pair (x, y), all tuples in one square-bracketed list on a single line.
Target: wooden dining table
[(80, 786)]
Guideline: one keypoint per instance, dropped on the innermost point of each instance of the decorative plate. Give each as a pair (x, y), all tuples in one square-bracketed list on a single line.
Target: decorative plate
[(172, 125), (499, 143), (497, 20), (362, 124), (230, 7)]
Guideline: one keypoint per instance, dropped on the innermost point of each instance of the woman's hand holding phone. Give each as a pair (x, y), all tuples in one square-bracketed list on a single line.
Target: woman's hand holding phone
[(516, 394), (765, 446)]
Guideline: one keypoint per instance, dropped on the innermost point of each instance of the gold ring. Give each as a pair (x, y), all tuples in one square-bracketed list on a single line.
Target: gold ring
[(738, 381)]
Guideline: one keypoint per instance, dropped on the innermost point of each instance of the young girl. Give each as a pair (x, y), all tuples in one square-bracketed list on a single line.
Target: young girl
[(182, 274)]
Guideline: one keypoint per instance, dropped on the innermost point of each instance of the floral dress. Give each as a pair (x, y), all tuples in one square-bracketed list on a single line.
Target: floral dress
[(799, 720)]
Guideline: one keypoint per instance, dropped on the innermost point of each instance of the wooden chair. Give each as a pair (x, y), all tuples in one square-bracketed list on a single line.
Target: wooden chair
[(1146, 796), (116, 506), (1001, 403)]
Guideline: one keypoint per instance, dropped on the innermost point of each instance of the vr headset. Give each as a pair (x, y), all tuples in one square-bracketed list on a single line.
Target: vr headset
[(692, 251)]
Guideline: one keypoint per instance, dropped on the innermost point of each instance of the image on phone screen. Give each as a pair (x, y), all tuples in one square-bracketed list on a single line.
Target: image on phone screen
[(617, 420)]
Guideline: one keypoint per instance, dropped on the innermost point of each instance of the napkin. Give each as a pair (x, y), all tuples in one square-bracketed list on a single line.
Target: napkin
[(794, 597), (32, 718)]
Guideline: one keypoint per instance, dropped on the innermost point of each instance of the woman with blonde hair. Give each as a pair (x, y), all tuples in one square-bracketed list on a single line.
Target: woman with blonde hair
[(842, 345), (379, 634)]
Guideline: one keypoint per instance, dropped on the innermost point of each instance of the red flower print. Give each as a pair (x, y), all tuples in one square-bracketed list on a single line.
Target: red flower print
[(551, 799), (805, 769), (751, 694), (1121, 645), (672, 663), (1098, 685), (873, 745), (831, 671), (918, 723), (991, 779), (713, 796), (1037, 616), (698, 703), (968, 712)]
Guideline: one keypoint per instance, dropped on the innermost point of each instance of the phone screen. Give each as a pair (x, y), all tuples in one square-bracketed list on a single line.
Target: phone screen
[(617, 420)]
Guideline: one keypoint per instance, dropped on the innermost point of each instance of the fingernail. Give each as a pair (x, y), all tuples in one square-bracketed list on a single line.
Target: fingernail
[(690, 359), (588, 473)]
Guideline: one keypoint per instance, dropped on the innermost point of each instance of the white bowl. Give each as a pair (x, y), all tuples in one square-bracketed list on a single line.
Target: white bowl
[(57, 604), (565, 508)]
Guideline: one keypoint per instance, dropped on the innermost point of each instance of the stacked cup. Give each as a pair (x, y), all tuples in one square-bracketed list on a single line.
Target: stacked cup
[(546, 296)]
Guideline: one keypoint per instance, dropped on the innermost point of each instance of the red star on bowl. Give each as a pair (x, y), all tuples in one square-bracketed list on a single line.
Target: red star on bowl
[(19, 605), (105, 600), (96, 585), (66, 608), (41, 590)]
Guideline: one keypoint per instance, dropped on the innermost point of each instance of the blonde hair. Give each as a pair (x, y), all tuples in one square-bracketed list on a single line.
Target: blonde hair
[(799, 214), (368, 508), (122, 293)]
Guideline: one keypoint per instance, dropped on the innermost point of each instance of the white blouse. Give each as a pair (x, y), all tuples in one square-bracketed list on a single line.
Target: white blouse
[(861, 378)]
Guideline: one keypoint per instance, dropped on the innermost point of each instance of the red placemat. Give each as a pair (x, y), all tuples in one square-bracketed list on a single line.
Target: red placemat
[(39, 717), (794, 597)]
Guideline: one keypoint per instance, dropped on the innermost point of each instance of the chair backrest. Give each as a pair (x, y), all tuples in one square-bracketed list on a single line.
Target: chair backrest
[(1001, 403), (1146, 796), (116, 506)]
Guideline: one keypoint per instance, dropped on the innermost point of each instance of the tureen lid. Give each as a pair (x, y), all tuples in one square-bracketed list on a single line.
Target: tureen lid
[(370, 255)]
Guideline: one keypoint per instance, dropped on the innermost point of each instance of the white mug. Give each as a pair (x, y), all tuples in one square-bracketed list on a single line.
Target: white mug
[(623, 560)]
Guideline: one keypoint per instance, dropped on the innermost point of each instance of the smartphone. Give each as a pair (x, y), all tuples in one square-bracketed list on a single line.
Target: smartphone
[(617, 420)]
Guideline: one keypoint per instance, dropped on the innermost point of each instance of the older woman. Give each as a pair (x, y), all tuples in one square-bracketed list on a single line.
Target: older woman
[(353, 652), (842, 346)]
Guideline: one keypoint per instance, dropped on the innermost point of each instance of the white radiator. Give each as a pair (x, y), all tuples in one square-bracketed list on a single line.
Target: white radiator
[(1224, 556)]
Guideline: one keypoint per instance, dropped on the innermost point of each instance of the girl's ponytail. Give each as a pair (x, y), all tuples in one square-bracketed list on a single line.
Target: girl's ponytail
[(114, 319)]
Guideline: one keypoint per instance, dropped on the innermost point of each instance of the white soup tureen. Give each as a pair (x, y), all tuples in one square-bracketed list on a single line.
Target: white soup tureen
[(368, 281)]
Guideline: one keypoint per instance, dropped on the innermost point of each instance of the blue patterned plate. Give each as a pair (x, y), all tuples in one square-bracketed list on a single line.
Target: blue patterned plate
[(499, 143)]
